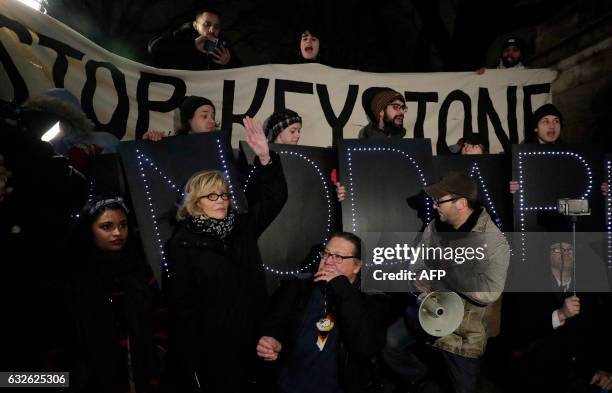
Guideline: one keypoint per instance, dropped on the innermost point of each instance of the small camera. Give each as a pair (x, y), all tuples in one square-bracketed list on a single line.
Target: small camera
[(210, 45), (573, 207)]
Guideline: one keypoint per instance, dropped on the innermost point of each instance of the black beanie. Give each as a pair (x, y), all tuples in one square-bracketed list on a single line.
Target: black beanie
[(190, 104), (513, 41), (545, 110)]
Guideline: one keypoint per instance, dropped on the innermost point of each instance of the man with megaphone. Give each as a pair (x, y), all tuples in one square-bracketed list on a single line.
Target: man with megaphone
[(462, 228)]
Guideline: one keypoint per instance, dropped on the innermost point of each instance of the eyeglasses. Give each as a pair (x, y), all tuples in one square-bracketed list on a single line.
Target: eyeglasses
[(559, 250), (398, 107), (334, 257), (214, 196), (439, 202)]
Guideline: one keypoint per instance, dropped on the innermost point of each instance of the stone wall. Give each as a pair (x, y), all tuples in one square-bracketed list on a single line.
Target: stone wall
[(577, 42)]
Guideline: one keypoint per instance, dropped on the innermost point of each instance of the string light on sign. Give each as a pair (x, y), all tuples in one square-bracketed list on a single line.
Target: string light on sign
[(537, 155), (143, 162), (349, 157), (328, 200), (609, 212)]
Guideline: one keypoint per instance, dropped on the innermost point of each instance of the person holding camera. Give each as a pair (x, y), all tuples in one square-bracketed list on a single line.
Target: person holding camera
[(196, 45), (558, 338)]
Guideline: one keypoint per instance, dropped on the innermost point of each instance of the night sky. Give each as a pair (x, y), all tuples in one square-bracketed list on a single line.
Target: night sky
[(386, 36)]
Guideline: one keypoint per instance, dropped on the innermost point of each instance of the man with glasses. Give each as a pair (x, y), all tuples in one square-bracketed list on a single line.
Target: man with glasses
[(386, 114), (323, 332), (560, 338), (479, 282)]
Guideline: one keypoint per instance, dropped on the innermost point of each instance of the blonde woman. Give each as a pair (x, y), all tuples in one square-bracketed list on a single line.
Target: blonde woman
[(217, 285)]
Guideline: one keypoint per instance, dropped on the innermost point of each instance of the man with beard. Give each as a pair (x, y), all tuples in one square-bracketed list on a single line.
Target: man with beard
[(461, 224), (386, 115), (511, 55)]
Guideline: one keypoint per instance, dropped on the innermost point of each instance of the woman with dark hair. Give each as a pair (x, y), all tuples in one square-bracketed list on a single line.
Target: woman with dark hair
[(197, 115), (217, 288), (119, 338), (310, 46)]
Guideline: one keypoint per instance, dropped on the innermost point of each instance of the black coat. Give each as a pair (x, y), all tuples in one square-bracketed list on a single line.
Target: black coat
[(359, 317), (176, 49), (117, 306), (217, 291), (556, 358)]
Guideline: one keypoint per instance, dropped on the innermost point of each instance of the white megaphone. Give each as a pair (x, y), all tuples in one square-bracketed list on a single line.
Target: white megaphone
[(440, 313)]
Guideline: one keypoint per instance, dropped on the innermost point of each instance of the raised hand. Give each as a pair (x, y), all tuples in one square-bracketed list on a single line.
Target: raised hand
[(256, 138)]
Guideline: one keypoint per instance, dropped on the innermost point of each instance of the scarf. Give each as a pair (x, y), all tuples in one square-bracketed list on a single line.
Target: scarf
[(212, 226)]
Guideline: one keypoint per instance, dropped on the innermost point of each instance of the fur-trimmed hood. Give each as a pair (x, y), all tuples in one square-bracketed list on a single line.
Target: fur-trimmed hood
[(64, 104)]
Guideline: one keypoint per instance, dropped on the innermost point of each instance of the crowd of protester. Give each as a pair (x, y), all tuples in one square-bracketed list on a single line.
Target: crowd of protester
[(213, 327)]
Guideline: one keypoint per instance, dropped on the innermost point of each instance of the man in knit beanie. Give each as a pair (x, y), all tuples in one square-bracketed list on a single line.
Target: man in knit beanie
[(511, 54), (546, 124), (386, 112)]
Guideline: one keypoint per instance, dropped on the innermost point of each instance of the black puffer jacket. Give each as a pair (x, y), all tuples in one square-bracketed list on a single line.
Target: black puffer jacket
[(217, 291)]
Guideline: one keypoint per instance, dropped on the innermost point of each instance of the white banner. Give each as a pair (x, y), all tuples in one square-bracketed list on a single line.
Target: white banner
[(128, 98)]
